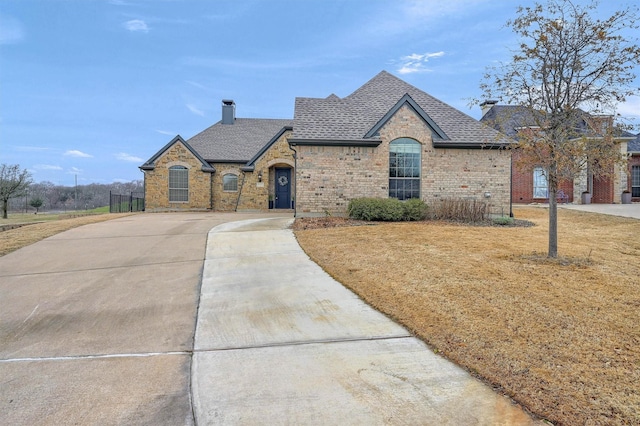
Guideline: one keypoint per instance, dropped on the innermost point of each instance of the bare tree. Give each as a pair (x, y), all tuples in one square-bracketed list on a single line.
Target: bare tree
[(13, 183), (568, 62)]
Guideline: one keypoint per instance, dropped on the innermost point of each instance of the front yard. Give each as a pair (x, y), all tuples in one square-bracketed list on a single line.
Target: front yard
[(560, 337)]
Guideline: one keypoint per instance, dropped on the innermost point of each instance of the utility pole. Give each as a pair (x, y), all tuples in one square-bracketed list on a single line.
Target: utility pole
[(75, 200)]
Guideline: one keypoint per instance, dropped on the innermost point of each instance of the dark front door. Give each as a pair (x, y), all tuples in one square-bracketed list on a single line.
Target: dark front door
[(283, 189)]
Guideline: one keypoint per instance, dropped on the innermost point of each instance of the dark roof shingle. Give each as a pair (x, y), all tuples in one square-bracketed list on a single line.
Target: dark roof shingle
[(238, 142), (351, 117)]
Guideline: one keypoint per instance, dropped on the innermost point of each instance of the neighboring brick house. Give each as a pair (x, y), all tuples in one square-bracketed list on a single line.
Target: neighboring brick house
[(386, 139), (529, 183), (633, 184)]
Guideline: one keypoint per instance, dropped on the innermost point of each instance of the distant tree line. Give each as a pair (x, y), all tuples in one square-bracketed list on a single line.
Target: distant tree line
[(48, 196)]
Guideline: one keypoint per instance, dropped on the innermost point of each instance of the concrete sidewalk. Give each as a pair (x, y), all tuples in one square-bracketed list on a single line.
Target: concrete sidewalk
[(278, 341)]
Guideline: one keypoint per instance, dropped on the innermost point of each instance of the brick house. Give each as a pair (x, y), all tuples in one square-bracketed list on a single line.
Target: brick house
[(386, 139), (529, 183), (633, 182)]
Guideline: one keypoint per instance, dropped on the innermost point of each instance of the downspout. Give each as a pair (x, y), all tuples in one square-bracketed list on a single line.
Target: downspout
[(210, 191), (295, 181), (240, 191)]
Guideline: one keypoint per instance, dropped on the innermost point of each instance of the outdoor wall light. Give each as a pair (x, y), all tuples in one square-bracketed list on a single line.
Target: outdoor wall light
[(487, 195), (260, 176)]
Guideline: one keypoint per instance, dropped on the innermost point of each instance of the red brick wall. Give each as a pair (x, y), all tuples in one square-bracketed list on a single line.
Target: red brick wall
[(522, 185), (633, 161), (602, 190)]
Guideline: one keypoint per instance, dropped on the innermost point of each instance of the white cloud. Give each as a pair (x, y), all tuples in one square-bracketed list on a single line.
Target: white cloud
[(195, 110), (76, 153), (165, 132), (123, 156), (416, 62), (136, 25), (46, 167), (10, 30), (196, 84), (74, 171)]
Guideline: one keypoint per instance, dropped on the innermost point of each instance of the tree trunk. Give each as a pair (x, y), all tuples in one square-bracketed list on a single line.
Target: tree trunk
[(5, 206), (553, 223)]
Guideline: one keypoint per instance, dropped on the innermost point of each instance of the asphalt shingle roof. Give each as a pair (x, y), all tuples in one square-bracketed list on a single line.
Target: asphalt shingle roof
[(239, 142), (508, 118), (351, 117), (634, 146)]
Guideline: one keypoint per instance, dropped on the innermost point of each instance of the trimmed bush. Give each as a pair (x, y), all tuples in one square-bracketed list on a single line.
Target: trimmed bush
[(414, 209), (504, 221), (386, 209)]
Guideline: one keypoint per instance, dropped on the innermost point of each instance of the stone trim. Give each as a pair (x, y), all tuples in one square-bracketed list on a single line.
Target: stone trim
[(277, 161), (178, 163)]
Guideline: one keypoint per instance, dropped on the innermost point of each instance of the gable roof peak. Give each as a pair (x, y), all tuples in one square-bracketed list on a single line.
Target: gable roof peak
[(358, 115), (150, 164), (406, 99)]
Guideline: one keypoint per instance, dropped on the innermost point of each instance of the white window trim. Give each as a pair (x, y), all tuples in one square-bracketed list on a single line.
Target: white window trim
[(539, 178)]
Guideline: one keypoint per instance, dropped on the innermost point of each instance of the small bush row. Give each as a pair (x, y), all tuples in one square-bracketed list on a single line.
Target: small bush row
[(387, 209)]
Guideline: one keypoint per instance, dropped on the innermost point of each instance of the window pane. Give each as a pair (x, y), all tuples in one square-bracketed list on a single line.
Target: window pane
[(635, 181), (229, 182), (404, 169), (540, 187), (178, 184), (635, 176)]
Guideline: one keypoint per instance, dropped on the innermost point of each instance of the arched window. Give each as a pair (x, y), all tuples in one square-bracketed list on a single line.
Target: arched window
[(404, 169), (178, 184), (230, 182)]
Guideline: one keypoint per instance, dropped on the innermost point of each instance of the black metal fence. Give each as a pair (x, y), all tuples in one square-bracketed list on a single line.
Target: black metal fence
[(133, 202)]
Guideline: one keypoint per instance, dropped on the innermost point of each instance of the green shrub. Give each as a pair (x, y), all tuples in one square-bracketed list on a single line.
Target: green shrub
[(414, 209), (386, 209), (503, 221)]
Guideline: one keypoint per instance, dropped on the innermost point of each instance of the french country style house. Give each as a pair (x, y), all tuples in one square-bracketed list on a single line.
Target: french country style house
[(386, 139)]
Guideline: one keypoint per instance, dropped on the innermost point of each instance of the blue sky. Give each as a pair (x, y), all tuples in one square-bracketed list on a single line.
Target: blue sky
[(94, 88)]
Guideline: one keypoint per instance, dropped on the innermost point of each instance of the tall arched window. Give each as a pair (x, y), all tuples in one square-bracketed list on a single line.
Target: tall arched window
[(230, 182), (404, 169), (178, 184)]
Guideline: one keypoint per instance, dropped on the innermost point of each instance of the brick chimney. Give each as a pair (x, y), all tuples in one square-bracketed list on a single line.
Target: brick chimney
[(228, 111)]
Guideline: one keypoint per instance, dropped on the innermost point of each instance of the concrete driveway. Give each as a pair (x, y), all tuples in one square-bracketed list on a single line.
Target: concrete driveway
[(625, 210), (97, 326), (97, 323)]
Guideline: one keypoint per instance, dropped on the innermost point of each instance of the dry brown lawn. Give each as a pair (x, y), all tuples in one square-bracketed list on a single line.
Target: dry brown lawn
[(13, 239), (560, 337)]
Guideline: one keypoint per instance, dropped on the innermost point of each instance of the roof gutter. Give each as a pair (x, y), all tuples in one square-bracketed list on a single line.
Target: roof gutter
[(372, 143), (454, 145)]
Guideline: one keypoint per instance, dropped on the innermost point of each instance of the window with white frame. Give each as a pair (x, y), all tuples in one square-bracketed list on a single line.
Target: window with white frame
[(635, 181), (404, 169), (230, 182), (178, 184), (540, 183)]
